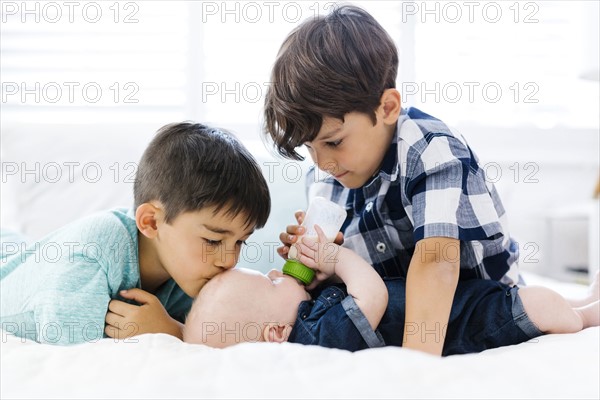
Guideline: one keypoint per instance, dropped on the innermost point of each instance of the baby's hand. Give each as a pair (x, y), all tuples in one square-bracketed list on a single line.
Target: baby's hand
[(319, 255), (290, 236)]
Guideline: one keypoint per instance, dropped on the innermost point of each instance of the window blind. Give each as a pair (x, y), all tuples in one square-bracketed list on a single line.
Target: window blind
[(500, 63)]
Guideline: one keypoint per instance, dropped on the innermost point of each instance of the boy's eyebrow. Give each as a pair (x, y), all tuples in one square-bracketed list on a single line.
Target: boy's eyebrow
[(223, 231), (330, 133)]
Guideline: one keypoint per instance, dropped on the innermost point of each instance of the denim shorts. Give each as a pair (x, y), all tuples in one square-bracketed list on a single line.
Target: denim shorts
[(485, 314)]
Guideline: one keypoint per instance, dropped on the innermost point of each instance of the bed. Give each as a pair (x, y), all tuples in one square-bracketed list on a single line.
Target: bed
[(160, 366)]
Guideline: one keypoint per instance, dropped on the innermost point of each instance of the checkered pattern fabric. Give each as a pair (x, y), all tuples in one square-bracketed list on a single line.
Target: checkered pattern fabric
[(430, 184)]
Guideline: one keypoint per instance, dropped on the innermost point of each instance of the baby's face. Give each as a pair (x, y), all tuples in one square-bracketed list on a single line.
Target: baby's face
[(240, 299), (276, 291), (285, 289)]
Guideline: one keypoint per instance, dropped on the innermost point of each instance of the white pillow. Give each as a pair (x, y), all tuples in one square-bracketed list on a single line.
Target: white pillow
[(53, 174)]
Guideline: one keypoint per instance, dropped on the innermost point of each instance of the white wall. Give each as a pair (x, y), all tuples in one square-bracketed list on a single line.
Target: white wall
[(546, 181)]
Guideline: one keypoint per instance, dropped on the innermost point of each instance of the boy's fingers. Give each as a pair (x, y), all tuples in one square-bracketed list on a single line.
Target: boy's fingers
[(283, 251), (111, 331), (119, 307), (294, 230), (299, 216), (115, 333), (139, 295), (113, 319), (286, 239)]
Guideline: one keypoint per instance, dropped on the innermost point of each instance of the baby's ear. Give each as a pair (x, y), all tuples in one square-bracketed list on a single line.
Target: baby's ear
[(276, 333)]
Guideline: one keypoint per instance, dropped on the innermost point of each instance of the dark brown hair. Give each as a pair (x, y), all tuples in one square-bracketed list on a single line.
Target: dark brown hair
[(328, 66), (190, 166)]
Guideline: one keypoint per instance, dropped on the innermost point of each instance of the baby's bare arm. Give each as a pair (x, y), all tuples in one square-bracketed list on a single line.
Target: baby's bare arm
[(364, 284), (362, 281)]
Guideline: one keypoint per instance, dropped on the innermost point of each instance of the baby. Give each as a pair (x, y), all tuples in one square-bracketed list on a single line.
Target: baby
[(242, 305)]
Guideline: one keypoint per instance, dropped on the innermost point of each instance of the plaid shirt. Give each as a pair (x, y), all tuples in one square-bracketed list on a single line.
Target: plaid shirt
[(430, 184)]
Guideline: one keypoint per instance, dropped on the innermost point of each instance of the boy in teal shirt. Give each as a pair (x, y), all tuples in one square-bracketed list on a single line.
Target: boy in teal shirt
[(419, 205), (192, 214)]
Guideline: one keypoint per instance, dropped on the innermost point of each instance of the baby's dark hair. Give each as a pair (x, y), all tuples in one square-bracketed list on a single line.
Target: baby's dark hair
[(189, 166), (328, 66)]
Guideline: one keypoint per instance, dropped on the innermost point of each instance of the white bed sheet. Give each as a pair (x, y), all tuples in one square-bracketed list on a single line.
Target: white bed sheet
[(161, 366)]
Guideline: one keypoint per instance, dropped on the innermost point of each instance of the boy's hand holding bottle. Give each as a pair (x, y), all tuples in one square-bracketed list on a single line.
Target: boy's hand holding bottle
[(290, 236), (320, 228)]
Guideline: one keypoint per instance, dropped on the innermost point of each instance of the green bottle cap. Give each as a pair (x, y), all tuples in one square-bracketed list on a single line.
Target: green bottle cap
[(298, 270)]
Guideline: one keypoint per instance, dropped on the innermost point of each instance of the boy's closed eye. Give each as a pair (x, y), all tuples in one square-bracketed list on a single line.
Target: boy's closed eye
[(219, 242), (328, 143), (334, 143), (216, 236)]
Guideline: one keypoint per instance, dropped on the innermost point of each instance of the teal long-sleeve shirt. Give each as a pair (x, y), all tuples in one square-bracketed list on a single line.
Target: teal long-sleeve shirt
[(57, 290)]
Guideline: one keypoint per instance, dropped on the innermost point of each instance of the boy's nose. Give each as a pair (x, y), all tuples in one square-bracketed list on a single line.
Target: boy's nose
[(227, 259), (330, 167), (325, 163)]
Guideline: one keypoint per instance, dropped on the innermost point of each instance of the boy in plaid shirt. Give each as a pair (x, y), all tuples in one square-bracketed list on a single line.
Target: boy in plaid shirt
[(419, 205)]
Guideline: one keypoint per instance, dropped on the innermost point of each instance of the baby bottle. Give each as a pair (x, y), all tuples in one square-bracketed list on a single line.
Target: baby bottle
[(330, 217)]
